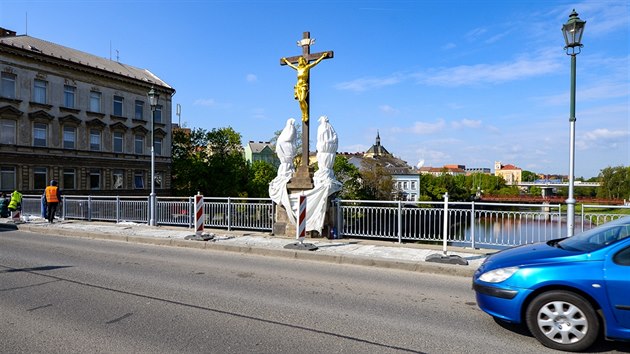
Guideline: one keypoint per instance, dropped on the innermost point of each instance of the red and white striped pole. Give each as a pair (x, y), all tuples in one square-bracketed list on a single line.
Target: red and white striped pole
[(199, 216), (300, 231)]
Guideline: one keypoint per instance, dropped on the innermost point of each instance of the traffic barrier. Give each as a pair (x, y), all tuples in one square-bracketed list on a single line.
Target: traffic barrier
[(199, 215), (16, 215), (301, 229)]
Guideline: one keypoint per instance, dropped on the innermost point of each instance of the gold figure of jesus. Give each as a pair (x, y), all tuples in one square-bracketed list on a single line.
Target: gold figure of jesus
[(301, 88)]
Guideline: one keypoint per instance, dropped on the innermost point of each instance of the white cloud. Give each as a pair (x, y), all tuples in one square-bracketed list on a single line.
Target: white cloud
[(448, 46), (208, 102), (428, 128), (387, 109), (489, 73), (604, 134), (466, 123), (251, 78), (365, 84)]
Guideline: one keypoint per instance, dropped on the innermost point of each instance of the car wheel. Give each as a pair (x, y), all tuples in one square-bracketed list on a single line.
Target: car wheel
[(563, 320)]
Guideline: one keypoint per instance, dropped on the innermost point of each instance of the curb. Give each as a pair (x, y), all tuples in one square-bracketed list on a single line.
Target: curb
[(412, 266)]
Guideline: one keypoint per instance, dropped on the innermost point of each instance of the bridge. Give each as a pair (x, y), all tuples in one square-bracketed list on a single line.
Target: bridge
[(552, 184)]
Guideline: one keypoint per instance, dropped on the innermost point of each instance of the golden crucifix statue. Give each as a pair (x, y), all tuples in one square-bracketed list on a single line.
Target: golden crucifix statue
[(303, 64), (301, 88)]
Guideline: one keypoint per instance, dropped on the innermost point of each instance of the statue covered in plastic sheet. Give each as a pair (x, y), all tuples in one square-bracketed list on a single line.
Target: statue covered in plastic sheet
[(285, 149), (327, 144)]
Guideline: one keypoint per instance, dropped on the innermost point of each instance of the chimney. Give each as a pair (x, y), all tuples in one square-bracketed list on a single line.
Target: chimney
[(6, 33)]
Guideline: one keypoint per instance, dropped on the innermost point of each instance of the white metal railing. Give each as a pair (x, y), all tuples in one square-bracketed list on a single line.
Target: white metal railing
[(464, 223)]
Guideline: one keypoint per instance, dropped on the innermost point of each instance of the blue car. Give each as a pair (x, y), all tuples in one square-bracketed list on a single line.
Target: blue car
[(567, 290)]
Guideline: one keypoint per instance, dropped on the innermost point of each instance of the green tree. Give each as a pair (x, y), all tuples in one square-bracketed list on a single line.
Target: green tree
[(350, 177), (190, 162), (228, 168), (528, 176), (260, 174), (615, 183), (376, 182)]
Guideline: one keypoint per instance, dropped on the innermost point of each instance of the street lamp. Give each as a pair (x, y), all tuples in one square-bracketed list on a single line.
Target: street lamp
[(572, 31), (153, 101)]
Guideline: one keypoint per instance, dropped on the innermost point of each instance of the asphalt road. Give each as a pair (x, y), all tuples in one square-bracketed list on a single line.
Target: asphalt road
[(72, 295)]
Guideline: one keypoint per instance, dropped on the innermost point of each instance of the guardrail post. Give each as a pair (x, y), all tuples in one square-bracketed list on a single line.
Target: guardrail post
[(89, 208), (399, 221), (191, 213), (472, 225), (582, 217), (63, 207), (339, 219), (229, 214), (117, 209), (445, 230), (559, 206)]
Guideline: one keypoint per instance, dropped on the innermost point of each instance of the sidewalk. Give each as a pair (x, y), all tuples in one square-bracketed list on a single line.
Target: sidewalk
[(385, 254)]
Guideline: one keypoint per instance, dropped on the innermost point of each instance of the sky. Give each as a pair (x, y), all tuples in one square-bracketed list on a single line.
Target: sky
[(442, 82)]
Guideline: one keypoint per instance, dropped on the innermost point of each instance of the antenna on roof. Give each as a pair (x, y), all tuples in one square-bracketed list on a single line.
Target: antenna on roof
[(179, 115), (117, 57), (26, 21)]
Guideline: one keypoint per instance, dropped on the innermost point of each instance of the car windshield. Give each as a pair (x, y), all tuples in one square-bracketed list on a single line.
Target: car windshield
[(596, 238)]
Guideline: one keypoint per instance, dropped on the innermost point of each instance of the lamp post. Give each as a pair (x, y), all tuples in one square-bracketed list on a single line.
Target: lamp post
[(572, 31), (153, 101)]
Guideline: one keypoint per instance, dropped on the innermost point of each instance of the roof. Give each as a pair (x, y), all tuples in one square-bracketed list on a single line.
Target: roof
[(45, 48), (259, 146), (509, 167)]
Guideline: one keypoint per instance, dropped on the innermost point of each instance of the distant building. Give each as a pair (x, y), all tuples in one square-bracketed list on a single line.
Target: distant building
[(471, 170), (261, 151), (510, 173), (453, 170), (406, 180), (80, 119)]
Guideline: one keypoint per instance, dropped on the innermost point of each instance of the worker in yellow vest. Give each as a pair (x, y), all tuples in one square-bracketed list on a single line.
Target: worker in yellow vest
[(52, 200)]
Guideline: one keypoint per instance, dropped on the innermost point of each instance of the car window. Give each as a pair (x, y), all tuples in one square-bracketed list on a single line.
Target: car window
[(596, 238), (623, 257)]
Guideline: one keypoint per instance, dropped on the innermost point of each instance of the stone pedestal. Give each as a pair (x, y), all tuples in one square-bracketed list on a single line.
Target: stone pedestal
[(302, 180)]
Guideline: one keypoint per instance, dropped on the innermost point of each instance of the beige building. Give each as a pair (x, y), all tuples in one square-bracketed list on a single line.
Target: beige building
[(80, 119), (510, 173)]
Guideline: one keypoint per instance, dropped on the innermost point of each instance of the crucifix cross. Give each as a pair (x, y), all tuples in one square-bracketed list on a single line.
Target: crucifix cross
[(303, 64)]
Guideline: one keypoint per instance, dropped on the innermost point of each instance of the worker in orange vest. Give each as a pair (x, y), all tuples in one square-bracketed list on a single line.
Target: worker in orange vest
[(52, 200)]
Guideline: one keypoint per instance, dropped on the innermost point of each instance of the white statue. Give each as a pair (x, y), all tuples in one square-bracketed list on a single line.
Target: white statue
[(285, 148), (327, 144)]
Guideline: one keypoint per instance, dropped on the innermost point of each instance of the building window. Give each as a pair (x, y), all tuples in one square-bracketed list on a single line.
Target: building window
[(139, 110), (7, 178), (95, 140), (69, 93), (8, 85), (39, 93), (95, 101), (157, 145), (138, 180), (138, 144), (157, 116), (69, 137), (95, 179), (69, 178), (40, 131), (118, 141), (118, 177), (40, 178), (7, 131), (118, 106), (413, 185)]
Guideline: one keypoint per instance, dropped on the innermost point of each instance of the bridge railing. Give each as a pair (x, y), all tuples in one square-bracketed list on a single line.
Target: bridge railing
[(469, 223), (474, 224)]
